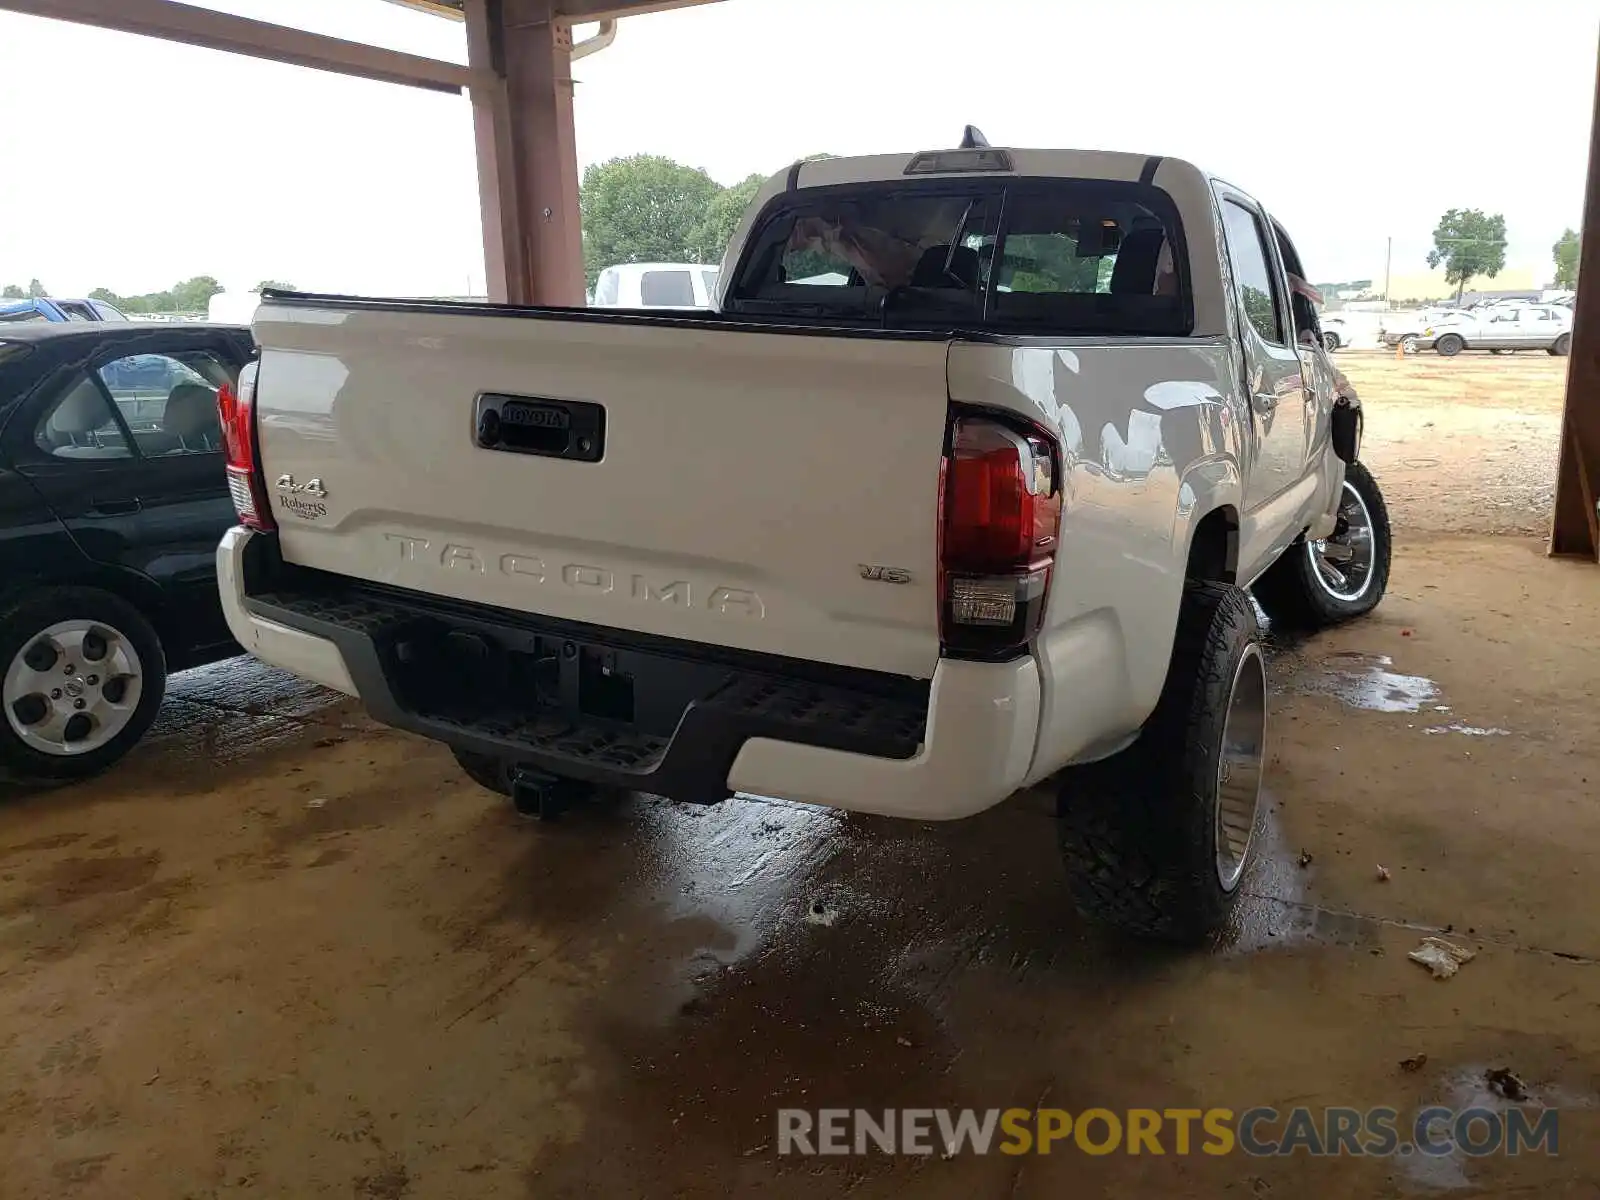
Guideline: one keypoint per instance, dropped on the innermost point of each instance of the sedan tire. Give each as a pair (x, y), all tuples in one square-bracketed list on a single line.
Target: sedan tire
[(82, 675)]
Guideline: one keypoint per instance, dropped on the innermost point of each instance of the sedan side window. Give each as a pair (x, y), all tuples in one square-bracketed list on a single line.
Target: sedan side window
[(82, 425), (169, 402)]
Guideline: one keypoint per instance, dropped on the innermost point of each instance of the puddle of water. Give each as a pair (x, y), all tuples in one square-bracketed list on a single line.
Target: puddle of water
[(1468, 730), (1365, 681), (1275, 910), (1467, 1087)]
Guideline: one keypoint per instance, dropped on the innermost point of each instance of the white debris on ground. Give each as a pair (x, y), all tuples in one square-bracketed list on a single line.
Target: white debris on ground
[(1443, 958)]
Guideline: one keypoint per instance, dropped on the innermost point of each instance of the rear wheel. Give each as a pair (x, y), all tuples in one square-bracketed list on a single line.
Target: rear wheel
[(1156, 839), (82, 675), (1408, 345), (1322, 581), (1331, 342), (1450, 345), (1562, 346)]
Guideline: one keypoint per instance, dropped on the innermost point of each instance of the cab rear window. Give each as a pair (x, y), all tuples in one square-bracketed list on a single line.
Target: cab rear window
[(1038, 256)]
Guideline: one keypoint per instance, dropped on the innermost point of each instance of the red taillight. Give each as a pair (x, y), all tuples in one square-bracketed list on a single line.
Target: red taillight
[(1000, 512), (245, 484)]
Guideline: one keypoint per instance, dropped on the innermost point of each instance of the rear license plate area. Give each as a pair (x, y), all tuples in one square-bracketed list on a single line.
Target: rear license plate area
[(471, 673)]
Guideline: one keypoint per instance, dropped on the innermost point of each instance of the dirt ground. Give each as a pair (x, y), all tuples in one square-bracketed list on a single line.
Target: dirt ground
[(332, 967), (1462, 445)]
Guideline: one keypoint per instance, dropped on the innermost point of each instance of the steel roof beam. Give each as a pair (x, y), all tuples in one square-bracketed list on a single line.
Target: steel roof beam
[(260, 39)]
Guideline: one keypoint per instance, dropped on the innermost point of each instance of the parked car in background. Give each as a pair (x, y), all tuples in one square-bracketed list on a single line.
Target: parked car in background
[(38, 309), (113, 497), (1503, 328), (656, 285), (1336, 331), (1405, 328)]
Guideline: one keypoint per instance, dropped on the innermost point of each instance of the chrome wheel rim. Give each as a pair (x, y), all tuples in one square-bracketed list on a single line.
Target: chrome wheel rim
[(73, 687), (1239, 767), (1409, 345), (1342, 562)]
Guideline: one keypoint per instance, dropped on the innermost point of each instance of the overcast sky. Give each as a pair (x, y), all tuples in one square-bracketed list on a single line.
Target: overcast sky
[(131, 163)]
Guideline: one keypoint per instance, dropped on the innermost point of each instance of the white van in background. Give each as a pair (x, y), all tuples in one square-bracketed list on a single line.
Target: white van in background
[(656, 285), (233, 308)]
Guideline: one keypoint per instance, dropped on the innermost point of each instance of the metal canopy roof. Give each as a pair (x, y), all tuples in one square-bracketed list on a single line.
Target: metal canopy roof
[(569, 10), (200, 26)]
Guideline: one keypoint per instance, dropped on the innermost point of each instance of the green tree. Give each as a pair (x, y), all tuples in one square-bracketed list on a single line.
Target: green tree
[(642, 209), (194, 295), (106, 296), (276, 285), (722, 218), (1566, 255), (1468, 242), (13, 292), (36, 290)]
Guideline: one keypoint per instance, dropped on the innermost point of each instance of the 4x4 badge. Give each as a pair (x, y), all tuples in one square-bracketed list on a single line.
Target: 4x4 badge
[(311, 487)]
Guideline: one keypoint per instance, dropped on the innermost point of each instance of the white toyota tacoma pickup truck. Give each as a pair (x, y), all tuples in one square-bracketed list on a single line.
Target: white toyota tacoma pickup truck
[(959, 490)]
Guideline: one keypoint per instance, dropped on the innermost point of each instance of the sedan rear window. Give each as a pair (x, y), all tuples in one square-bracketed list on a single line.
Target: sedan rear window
[(1038, 256)]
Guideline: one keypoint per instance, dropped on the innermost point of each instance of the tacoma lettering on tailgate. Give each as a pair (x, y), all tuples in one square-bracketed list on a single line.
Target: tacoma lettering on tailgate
[(580, 577)]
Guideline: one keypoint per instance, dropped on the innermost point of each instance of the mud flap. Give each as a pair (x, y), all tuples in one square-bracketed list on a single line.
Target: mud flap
[(1346, 430)]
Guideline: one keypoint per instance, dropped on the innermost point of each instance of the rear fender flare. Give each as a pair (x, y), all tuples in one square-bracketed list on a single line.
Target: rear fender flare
[(1206, 487)]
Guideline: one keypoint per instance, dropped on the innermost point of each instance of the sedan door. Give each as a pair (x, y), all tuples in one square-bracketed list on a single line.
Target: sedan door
[(1538, 328), (169, 407), (1502, 329), (134, 470)]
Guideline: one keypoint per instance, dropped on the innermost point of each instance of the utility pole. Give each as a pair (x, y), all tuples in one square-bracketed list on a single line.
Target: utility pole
[(1388, 256)]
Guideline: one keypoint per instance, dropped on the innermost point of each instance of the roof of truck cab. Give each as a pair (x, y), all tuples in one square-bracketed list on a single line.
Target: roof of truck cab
[(1026, 163)]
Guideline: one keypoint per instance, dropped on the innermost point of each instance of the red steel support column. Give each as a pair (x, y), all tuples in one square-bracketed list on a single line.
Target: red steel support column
[(1576, 528), (527, 151)]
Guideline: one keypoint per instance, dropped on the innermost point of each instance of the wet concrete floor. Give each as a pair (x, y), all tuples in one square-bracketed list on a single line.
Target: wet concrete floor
[(329, 965)]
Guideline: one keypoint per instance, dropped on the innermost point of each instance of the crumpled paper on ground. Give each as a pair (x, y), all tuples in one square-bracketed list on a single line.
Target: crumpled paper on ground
[(1443, 958)]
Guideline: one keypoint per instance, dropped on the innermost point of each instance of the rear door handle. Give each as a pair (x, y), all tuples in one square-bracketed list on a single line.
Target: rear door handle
[(114, 508)]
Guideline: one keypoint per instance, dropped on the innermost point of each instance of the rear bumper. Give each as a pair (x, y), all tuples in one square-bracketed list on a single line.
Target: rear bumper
[(692, 723), (303, 654)]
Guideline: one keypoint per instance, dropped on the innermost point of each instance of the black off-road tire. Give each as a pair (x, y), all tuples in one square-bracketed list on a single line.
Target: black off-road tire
[(22, 622), (1449, 345), (1562, 346), (1291, 591), (1138, 830)]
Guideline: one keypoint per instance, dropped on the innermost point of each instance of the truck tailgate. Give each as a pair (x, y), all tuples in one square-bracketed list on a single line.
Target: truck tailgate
[(744, 484)]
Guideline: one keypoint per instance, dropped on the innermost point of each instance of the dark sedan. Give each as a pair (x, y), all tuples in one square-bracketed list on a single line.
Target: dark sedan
[(112, 500)]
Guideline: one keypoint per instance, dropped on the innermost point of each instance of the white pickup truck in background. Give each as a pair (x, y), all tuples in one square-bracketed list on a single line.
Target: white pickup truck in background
[(958, 491), (656, 285)]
